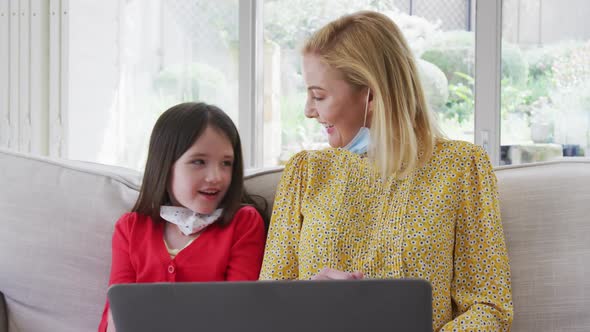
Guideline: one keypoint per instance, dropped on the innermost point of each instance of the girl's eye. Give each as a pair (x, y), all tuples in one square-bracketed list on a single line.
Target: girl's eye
[(316, 98), (199, 162), (228, 163)]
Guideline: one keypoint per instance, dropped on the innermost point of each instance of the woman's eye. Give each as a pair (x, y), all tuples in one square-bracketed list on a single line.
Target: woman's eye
[(228, 163), (316, 98), (199, 162)]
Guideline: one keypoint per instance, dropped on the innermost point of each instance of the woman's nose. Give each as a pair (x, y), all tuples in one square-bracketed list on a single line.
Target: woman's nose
[(310, 111)]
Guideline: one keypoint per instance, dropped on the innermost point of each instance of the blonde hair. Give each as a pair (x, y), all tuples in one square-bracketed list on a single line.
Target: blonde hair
[(370, 50)]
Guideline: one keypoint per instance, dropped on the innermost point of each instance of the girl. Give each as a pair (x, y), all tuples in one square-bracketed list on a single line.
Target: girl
[(190, 222)]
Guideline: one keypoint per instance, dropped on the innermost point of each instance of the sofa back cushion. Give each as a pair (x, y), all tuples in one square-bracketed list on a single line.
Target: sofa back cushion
[(546, 217), (55, 239)]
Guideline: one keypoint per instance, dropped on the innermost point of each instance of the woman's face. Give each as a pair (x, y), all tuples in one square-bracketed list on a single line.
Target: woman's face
[(332, 101)]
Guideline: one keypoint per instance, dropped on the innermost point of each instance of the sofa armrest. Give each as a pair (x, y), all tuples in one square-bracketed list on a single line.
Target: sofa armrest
[(3, 315)]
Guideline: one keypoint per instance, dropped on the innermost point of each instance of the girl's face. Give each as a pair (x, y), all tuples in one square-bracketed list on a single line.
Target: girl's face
[(199, 179), (333, 102)]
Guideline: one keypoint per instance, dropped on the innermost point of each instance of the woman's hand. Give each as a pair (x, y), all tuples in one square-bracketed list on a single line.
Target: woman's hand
[(331, 274)]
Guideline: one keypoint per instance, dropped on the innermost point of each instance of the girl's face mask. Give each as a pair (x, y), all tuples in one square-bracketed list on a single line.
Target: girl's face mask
[(188, 222)]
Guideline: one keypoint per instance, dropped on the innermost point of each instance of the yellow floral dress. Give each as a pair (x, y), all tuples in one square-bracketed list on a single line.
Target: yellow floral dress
[(441, 223)]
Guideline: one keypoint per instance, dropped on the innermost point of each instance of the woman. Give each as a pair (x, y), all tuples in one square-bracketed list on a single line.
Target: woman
[(392, 198)]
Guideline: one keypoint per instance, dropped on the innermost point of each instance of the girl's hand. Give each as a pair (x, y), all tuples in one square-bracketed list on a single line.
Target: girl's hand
[(331, 274)]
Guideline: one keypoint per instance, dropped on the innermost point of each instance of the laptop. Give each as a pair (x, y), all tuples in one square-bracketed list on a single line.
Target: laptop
[(274, 306)]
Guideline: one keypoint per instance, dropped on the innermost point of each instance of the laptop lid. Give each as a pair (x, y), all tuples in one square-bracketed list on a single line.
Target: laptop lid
[(265, 306)]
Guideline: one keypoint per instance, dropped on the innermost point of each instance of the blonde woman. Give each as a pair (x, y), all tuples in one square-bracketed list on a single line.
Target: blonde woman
[(392, 198)]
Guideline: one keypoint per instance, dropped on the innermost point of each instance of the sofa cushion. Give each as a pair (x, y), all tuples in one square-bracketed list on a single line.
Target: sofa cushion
[(57, 222), (546, 216)]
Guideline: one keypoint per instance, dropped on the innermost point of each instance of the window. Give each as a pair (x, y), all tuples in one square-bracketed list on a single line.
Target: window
[(86, 80), (131, 60), (545, 105), (440, 34)]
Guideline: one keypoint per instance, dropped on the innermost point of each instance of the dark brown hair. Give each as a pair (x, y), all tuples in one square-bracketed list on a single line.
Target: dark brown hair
[(174, 133)]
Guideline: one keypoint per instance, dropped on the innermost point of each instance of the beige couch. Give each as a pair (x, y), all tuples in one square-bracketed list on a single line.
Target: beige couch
[(57, 218)]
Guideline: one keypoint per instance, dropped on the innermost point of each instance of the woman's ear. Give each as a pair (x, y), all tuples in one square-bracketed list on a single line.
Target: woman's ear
[(370, 100), (370, 104)]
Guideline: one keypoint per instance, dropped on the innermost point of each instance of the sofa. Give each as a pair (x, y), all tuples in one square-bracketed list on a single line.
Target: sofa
[(57, 218)]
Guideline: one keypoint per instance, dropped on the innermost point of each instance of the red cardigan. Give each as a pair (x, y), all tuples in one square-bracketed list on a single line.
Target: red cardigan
[(231, 253)]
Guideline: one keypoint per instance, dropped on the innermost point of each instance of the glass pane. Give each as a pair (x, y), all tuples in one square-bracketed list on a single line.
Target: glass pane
[(130, 60), (545, 80), (441, 34)]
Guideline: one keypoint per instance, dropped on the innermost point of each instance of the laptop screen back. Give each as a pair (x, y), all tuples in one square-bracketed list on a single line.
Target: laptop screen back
[(265, 306)]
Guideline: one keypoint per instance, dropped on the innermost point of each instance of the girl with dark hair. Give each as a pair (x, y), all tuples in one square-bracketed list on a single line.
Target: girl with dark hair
[(193, 220)]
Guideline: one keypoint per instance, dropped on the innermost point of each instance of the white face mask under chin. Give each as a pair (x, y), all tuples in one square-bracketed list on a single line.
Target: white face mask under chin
[(188, 221)]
